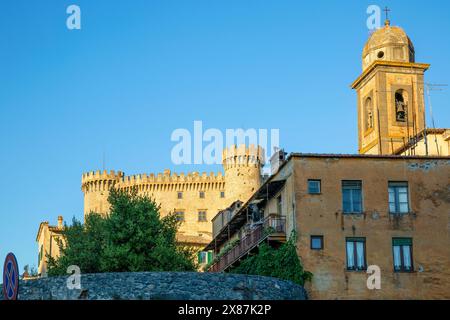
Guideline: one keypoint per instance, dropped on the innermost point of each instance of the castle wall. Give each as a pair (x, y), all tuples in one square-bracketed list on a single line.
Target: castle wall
[(164, 189), (96, 186), (206, 193)]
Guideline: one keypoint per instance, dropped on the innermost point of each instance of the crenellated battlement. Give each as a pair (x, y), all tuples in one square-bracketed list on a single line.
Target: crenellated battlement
[(100, 180), (103, 181), (171, 178), (101, 175), (242, 177), (251, 156)]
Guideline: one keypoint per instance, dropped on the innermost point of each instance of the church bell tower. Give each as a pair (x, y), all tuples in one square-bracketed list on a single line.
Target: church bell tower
[(390, 92)]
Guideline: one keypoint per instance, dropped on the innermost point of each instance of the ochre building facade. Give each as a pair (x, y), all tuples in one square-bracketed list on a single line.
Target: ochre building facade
[(351, 212), (387, 207)]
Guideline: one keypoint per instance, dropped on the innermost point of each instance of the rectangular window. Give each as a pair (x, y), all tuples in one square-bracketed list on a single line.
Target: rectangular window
[(180, 215), (402, 252), (202, 194), (316, 242), (202, 216), (222, 194), (356, 253), (180, 195), (202, 257), (351, 196), (398, 197), (314, 187)]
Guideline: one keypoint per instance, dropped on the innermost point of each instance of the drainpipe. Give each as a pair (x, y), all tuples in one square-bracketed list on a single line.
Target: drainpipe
[(51, 236)]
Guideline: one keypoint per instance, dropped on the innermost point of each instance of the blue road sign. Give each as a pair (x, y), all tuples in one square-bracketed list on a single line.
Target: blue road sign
[(10, 277)]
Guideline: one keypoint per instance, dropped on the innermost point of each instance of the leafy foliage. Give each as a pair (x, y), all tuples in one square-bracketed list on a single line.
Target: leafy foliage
[(227, 248), (133, 238), (83, 246), (282, 263)]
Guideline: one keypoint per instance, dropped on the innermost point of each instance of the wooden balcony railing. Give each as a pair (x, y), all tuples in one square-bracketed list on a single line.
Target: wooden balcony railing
[(271, 226)]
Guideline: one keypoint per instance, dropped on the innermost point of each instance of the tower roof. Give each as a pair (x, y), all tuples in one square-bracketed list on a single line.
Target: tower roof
[(389, 43)]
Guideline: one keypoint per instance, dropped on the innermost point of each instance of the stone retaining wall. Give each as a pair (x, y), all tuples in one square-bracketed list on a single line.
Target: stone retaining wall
[(163, 286)]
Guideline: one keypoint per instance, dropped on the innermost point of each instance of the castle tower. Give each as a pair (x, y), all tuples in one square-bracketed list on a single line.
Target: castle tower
[(390, 92), (242, 167), (96, 186)]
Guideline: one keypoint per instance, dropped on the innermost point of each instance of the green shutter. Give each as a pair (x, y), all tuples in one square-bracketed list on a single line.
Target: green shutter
[(210, 256), (402, 241), (199, 257)]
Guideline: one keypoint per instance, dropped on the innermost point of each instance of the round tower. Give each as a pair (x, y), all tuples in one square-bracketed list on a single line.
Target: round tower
[(242, 167), (96, 186)]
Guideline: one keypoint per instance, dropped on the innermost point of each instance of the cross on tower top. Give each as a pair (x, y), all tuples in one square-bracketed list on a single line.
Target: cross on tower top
[(387, 10)]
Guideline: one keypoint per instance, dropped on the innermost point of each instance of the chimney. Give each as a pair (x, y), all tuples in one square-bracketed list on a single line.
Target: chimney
[(60, 222), (277, 159)]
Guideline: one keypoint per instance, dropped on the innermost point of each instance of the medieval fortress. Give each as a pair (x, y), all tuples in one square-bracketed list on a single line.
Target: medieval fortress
[(195, 198)]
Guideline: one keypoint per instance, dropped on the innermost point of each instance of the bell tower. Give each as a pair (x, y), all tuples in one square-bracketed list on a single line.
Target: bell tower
[(390, 92)]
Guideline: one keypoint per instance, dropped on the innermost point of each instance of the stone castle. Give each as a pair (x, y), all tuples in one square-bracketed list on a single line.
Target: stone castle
[(195, 198)]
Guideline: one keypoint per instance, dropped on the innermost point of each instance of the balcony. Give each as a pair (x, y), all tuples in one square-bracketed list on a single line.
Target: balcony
[(272, 229)]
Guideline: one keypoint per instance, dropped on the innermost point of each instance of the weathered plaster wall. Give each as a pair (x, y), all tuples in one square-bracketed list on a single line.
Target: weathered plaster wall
[(438, 145), (428, 224), (47, 240)]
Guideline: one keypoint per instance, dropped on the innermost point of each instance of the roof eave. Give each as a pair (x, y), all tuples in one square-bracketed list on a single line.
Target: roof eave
[(379, 63)]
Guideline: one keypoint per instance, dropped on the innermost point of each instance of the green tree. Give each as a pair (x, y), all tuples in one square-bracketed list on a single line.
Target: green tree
[(82, 245), (282, 263), (133, 238), (140, 240)]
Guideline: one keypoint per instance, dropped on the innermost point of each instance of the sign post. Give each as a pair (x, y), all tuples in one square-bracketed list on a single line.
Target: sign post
[(10, 277)]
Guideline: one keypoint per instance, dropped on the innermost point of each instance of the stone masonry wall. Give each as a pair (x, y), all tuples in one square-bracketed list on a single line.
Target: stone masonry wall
[(163, 286)]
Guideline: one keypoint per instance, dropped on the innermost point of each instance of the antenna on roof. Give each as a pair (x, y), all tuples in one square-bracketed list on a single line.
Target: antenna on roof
[(103, 160), (433, 87)]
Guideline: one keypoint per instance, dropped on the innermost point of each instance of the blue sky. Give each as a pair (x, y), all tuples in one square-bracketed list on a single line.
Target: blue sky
[(137, 70)]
